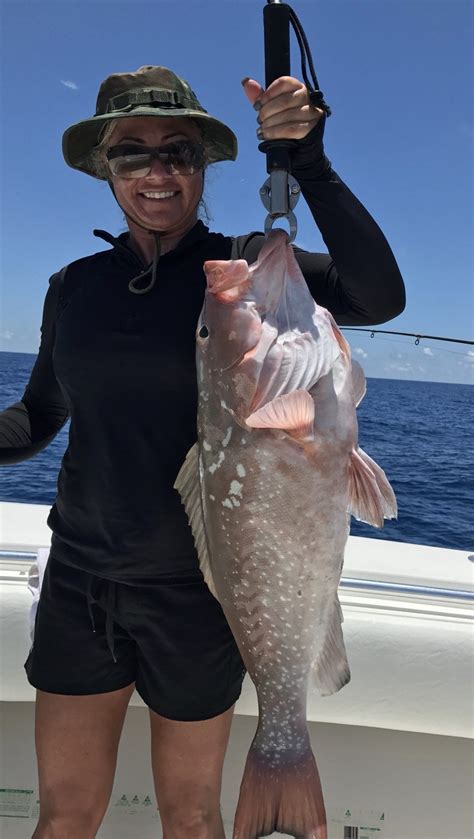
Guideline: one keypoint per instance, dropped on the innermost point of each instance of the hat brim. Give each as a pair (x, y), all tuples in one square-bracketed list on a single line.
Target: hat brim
[(80, 139)]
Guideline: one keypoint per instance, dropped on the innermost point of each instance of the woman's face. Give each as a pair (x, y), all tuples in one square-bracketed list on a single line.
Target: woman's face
[(142, 198)]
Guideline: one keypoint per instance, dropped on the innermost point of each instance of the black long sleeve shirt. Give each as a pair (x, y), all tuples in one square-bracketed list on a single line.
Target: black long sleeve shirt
[(122, 367)]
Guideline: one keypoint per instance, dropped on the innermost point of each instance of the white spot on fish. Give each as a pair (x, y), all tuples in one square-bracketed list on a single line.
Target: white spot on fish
[(214, 466), (241, 471), (232, 335), (227, 503), (236, 488), (235, 502), (212, 497), (227, 436), (207, 447)]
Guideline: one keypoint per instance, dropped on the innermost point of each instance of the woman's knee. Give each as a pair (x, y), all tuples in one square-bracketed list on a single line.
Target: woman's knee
[(78, 827), (69, 811), (192, 822)]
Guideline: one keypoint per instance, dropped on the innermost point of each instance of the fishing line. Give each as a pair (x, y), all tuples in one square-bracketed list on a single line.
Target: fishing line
[(416, 335), (436, 349)]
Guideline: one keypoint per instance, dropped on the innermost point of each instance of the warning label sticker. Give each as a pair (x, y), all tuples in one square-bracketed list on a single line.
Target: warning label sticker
[(24, 804), (16, 802), (125, 804), (355, 823)]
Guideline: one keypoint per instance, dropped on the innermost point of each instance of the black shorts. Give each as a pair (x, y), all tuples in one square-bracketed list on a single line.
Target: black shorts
[(170, 638)]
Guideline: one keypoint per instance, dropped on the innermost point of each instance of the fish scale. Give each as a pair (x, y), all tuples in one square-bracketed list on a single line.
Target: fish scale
[(268, 489)]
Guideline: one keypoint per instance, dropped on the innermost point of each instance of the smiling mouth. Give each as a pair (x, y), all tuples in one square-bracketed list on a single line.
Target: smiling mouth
[(158, 196)]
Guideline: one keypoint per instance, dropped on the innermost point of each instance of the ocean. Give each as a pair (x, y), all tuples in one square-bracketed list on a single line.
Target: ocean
[(420, 433)]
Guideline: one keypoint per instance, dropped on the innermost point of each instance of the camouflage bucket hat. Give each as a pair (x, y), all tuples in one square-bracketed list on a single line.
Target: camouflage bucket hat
[(146, 92)]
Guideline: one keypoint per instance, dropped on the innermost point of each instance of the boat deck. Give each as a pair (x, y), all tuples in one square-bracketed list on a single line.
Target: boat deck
[(393, 747)]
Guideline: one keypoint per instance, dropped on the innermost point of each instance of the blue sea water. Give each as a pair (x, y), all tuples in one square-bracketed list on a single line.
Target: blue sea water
[(420, 433)]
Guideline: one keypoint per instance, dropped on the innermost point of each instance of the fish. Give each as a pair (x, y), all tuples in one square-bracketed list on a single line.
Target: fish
[(269, 488)]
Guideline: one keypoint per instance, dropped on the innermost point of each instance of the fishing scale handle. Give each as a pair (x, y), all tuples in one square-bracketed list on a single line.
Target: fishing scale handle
[(276, 30)]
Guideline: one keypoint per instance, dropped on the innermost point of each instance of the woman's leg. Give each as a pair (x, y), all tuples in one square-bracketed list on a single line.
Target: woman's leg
[(187, 760), (77, 739)]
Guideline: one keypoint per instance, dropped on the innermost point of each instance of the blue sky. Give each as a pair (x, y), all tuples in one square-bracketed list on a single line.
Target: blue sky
[(398, 76)]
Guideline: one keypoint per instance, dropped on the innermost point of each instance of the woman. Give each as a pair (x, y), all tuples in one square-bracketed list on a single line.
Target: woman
[(117, 356)]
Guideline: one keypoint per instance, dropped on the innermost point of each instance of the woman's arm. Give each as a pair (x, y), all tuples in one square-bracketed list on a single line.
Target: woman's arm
[(29, 425), (359, 280)]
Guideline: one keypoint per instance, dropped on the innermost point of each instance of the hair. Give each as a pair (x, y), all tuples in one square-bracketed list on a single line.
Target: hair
[(96, 159)]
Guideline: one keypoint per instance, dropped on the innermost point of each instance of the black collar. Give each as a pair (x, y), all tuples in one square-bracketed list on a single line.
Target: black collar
[(120, 243)]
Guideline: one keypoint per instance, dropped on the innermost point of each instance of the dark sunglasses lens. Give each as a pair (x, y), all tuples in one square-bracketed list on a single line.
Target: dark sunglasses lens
[(181, 158), (131, 165)]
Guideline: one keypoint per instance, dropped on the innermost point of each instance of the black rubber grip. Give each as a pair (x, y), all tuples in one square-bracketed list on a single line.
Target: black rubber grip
[(276, 29)]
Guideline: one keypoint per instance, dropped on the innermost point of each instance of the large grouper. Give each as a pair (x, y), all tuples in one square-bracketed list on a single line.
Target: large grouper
[(269, 489)]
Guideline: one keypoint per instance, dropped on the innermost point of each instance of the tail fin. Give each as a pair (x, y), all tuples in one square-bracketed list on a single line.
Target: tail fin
[(286, 798)]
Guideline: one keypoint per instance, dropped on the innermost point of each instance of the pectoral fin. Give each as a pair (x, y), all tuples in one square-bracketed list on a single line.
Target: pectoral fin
[(189, 487), (371, 498), (292, 412), (358, 382)]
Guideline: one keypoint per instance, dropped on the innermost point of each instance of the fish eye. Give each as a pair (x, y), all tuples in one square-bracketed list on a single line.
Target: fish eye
[(203, 332)]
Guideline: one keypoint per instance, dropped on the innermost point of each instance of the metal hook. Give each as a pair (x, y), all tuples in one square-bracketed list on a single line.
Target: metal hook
[(290, 217), (280, 194)]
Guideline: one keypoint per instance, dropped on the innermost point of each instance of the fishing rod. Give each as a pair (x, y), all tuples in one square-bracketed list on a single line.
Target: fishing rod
[(281, 191), (416, 335)]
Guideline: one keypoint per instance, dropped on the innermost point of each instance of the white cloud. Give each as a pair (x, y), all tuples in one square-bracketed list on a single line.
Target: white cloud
[(71, 85), (400, 368), (427, 351), (7, 335), (361, 352)]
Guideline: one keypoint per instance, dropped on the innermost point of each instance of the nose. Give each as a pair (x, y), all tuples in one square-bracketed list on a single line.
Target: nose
[(157, 167)]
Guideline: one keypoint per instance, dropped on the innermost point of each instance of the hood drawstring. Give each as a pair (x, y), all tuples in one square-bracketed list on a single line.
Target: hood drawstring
[(132, 286)]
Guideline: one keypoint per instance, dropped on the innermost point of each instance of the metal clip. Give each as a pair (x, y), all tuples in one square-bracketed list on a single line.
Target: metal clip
[(280, 194)]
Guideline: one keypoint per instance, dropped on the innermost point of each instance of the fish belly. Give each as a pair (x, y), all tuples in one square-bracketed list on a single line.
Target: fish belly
[(276, 529)]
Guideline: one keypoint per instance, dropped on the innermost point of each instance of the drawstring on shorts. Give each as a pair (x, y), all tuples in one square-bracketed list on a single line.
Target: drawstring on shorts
[(111, 603)]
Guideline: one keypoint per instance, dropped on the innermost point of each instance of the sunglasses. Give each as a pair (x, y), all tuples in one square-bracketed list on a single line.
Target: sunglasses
[(182, 157)]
